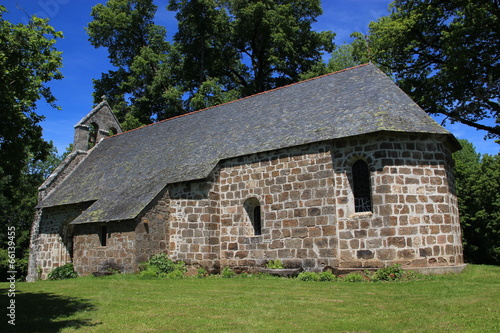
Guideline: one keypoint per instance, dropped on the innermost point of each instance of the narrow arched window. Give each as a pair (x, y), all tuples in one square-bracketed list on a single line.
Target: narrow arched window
[(93, 132), (257, 226), (361, 187), (252, 207), (103, 235)]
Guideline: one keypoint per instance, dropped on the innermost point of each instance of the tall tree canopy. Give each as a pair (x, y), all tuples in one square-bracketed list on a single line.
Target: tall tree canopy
[(250, 45), (445, 55), (142, 88), (28, 60), (477, 181), (223, 50)]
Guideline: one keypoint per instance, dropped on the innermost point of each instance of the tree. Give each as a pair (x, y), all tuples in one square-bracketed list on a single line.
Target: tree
[(18, 205), (477, 180), (143, 85), (445, 55), (250, 45), (28, 60), (342, 57), (223, 50)]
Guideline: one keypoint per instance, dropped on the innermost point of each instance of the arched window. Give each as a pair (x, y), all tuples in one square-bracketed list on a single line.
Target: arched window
[(112, 131), (93, 132), (252, 207), (361, 187)]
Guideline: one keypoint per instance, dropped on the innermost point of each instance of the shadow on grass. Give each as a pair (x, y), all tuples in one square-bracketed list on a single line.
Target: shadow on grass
[(45, 312)]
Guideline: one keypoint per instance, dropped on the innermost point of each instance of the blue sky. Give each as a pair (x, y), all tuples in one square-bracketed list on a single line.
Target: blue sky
[(82, 62)]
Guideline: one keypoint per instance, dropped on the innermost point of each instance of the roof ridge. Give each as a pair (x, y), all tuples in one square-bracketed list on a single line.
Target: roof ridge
[(243, 98)]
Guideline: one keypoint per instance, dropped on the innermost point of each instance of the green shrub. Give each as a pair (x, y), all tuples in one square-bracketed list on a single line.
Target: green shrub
[(390, 273), (66, 271), (227, 272), (275, 264), (327, 276), (308, 276), (353, 277), (160, 265), (201, 272), (176, 274), (149, 273)]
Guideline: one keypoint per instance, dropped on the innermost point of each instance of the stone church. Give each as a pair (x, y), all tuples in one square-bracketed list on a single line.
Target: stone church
[(339, 172)]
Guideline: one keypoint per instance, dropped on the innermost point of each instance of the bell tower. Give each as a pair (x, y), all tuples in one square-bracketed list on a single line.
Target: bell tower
[(95, 126)]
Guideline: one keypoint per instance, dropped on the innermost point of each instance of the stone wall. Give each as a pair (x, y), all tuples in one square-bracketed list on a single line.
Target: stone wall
[(52, 239), (414, 220), (194, 223), (153, 231), (295, 189), (307, 207), (119, 252)]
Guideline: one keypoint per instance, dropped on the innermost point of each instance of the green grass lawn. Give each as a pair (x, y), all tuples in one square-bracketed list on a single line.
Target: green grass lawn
[(469, 302)]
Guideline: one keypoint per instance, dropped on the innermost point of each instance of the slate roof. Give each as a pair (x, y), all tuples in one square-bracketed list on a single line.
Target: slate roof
[(123, 173)]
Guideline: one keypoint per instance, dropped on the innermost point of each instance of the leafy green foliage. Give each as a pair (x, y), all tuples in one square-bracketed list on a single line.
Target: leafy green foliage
[(445, 56), (276, 264), (201, 272), (354, 277), (342, 57), (308, 276), (327, 276), (18, 208), (223, 50), (28, 61), (477, 180), (160, 265), (389, 273), (66, 271), (227, 272), (143, 85)]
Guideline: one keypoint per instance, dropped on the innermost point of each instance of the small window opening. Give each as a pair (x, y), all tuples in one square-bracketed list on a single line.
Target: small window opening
[(93, 132), (257, 228), (252, 207), (103, 235), (112, 131), (361, 187)]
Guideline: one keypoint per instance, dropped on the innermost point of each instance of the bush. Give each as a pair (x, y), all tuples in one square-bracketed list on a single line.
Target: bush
[(66, 271), (201, 272), (227, 272), (390, 273), (308, 276), (353, 277), (160, 265), (175, 274), (327, 276), (275, 264)]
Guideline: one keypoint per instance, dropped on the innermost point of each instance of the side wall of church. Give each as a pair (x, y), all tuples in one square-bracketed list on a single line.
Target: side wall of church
[(294, 188), (308, 218)]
